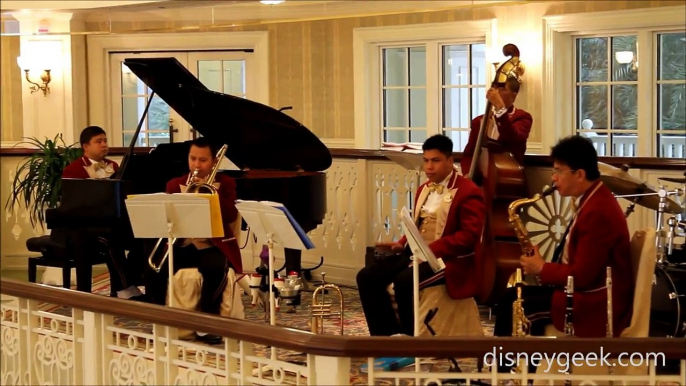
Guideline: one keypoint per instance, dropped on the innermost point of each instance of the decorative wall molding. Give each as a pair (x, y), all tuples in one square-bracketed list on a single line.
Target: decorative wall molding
[(339, 143), (534, 148)]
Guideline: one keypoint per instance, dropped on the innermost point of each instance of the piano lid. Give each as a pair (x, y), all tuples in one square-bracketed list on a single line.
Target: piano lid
[(257, 136)]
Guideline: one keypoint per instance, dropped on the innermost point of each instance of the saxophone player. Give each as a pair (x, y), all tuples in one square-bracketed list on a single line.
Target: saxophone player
[(212, 257), (596, 237)]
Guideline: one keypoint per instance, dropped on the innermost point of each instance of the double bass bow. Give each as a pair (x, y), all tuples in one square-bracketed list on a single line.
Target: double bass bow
[(502, 181)]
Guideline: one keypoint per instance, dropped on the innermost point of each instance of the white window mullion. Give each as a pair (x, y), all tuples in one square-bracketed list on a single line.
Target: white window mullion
[(610, 100), (434, 110), (647, 75)]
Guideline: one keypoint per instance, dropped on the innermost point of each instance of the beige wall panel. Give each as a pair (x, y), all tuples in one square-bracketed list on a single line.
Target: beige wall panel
[(10, 90)]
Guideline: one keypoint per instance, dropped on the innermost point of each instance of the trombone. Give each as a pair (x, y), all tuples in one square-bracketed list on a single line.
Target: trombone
[(191, 187)]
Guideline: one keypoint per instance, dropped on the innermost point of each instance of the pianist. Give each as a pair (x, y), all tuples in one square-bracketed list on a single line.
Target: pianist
[(93, 164), (212, 257)]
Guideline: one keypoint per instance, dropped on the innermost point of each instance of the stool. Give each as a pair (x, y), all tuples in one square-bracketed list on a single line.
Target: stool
[(53, 249)]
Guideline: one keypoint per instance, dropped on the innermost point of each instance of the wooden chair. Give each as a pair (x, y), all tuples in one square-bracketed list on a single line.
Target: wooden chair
[(643, 256)]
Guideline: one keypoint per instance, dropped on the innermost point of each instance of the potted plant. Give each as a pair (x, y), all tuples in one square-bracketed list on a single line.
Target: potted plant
[(38, 180)]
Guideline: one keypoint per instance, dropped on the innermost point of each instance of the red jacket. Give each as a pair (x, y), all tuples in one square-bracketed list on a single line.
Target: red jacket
[(599, 238), (513, 132), (227, 201), (76, 169), (461, 236)]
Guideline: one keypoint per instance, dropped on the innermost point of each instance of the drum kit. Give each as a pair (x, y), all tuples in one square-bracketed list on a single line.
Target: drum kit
[(668, 300)]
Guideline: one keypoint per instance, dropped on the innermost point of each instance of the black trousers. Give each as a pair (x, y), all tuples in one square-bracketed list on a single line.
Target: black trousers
[(537, 301), (210, 262), (372, 284), (124, 271)]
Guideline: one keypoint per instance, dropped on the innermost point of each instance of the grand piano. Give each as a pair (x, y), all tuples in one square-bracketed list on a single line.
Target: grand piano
[(279, 160)]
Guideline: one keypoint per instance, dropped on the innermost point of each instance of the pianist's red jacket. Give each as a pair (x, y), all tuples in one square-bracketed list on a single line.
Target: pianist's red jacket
[(227, 201), (77, 168)]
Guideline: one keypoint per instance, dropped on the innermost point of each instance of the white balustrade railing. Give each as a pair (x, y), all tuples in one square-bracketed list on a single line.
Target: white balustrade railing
[(44, 344), (626, 146)]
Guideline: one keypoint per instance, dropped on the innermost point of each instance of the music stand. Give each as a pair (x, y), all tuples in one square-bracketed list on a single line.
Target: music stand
[(180, 215), (420, 250), (272, 224)]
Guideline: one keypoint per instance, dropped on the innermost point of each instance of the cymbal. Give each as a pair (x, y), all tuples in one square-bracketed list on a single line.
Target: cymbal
[(621, 183), (672, 179)]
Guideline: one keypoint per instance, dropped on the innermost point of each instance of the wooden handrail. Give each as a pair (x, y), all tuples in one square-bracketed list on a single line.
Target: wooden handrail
[(336, 345), (534, 160)]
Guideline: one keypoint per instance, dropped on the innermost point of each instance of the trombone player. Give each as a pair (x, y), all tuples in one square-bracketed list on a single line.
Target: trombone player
[(212, 257)]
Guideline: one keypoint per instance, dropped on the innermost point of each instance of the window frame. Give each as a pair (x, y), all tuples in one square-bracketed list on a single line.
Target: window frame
[(559, 79), (368, 67), (433, 85)]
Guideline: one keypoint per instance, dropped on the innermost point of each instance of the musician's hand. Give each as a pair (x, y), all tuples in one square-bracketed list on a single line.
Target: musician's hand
[(390, 247), (493, 96), (532, 265)]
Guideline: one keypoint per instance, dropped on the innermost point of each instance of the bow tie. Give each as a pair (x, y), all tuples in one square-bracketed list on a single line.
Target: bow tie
[(434, 187), (99, 165)]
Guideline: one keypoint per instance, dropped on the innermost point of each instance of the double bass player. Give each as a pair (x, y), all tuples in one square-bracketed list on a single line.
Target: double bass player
[(509, 126)]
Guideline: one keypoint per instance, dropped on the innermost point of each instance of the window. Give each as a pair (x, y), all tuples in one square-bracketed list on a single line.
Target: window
[(610, 83), (606, 92), (404, 94), (459, 89), (463, 89), (670, 95)]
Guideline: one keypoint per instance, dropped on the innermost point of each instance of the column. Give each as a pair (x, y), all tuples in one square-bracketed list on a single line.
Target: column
[(46, 42)]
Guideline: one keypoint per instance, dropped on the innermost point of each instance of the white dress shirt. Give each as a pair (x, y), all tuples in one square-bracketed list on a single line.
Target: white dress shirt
[(433, 201)]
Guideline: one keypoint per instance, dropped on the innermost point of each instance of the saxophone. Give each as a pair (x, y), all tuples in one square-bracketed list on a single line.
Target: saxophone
[(520, 323), (518, 226)]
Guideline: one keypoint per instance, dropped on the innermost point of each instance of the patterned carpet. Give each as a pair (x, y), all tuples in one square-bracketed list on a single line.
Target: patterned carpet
[(354, 324)]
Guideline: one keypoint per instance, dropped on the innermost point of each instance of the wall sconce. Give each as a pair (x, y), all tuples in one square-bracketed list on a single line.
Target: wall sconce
[(45, 76)]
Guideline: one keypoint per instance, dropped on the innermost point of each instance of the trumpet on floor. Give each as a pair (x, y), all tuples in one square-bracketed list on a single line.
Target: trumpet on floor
[(322, 309)]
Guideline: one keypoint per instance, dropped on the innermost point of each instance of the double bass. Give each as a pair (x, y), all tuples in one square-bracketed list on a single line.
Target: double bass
[(502, 181)]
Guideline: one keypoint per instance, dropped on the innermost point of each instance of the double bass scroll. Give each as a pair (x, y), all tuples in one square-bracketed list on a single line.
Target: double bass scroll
[(502, 181)]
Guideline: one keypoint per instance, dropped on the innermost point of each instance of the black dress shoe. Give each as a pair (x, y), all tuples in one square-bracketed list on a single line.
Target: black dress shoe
[(209, 338), (140, 298)]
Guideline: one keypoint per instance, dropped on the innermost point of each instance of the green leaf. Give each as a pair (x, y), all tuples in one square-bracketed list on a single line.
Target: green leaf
[(38, 180)]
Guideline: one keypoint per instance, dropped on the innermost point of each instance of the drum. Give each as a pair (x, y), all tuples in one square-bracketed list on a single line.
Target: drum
[(668, 302), (678, 255)]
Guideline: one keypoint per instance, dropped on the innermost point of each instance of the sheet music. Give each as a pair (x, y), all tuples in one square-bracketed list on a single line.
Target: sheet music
[(191, 216), (286, 231), (418, 246)]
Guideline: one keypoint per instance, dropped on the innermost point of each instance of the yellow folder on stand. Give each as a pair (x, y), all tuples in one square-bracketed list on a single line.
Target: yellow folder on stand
[(191, 215)]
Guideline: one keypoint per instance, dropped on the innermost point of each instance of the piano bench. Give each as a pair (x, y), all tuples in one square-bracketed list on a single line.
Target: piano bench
[(54, 255)]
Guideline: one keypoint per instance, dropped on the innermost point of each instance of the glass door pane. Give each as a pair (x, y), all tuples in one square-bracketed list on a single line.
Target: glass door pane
[(161, 124), (224, 72)]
